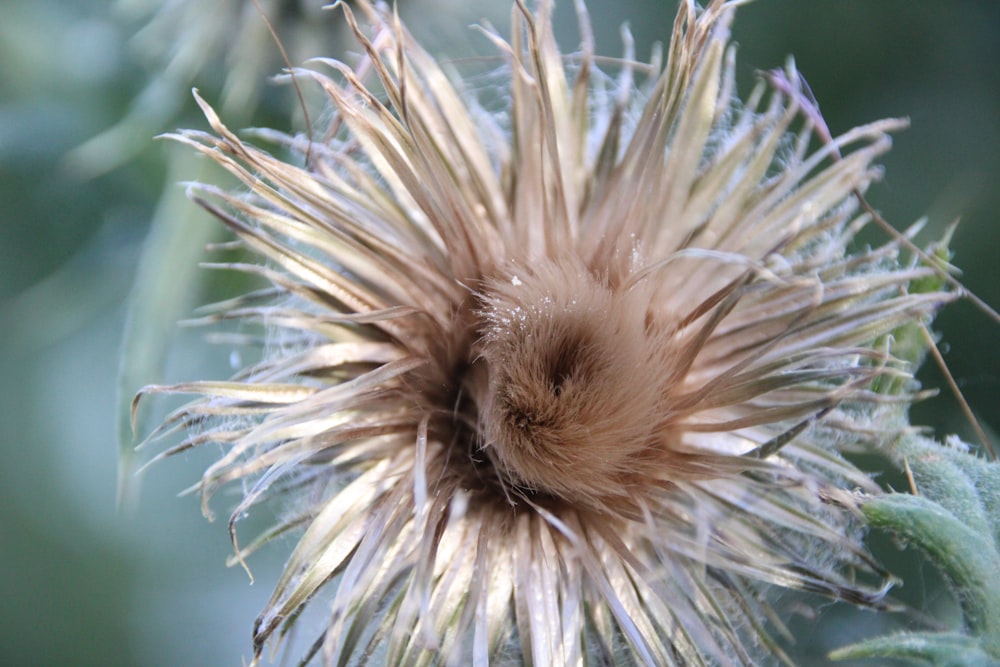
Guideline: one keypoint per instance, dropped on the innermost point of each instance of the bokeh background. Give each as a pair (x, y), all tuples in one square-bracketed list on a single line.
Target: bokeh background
[(83, 582)]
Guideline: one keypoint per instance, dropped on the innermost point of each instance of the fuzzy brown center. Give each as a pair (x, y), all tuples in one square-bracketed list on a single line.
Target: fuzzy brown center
[(575, 382)]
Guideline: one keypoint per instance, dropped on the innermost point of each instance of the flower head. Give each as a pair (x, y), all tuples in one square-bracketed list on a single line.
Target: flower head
[(567, 377)]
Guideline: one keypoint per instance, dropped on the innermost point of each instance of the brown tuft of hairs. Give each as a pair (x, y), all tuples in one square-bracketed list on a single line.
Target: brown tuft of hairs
[(577, 374)]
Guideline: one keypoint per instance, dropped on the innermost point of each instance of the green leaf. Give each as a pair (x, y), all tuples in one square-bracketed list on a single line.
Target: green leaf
[(941, 649), (967, 557), (964, 484), (955, 520)]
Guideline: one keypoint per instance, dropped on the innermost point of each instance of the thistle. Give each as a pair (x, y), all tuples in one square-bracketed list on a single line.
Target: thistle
[(566, 381)]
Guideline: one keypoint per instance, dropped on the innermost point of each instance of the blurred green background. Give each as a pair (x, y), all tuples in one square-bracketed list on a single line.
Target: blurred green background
[(82, 583)]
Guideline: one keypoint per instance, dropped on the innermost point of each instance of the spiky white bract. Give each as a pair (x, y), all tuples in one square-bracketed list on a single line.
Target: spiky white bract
[(572, 379)]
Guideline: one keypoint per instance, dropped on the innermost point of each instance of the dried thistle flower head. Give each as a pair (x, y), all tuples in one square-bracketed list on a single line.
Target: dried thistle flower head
[(565, 383)]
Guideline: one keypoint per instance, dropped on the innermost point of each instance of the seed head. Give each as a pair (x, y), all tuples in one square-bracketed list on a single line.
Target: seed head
[(561, 375)]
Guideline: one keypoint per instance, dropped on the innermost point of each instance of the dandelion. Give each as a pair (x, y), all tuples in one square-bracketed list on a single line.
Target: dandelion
[(562, 375)]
